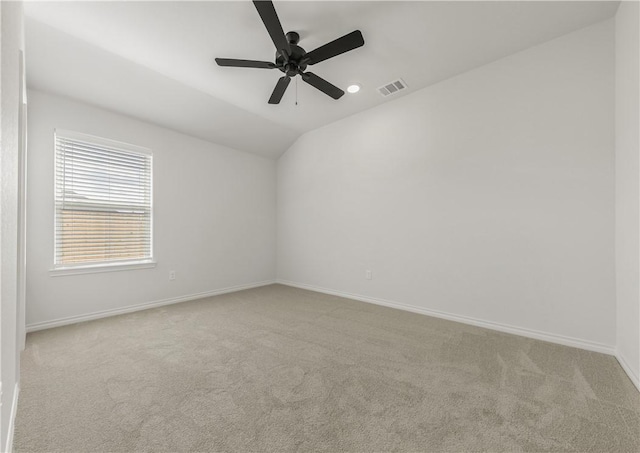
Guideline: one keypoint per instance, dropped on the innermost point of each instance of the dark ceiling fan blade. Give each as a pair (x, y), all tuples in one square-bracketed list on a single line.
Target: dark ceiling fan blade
[(322, 85), (245, 63), (270, 18), (338, 46), (279, 90)]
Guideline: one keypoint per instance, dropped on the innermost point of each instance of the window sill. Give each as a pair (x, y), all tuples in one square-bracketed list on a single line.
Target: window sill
[(62, 271)]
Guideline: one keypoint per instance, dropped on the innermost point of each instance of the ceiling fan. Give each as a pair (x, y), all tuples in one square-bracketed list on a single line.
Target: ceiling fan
[(293, 59)]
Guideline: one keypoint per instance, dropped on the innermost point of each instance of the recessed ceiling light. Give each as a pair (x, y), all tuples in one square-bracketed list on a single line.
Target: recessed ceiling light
[(353, 88)]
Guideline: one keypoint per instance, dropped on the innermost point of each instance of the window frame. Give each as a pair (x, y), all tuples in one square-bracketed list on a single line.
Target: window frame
[(100, 266)]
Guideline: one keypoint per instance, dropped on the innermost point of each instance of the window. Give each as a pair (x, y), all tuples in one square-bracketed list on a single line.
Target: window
[(103, 202)]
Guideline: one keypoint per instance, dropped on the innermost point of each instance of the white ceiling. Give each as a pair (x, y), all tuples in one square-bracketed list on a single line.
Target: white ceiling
[(154, 60)]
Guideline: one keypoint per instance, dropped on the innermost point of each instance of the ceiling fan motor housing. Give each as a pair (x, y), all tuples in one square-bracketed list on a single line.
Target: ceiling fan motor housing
[(295, 63)]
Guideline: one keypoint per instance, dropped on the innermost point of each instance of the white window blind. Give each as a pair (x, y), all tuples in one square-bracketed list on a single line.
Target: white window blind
[(103, 201)]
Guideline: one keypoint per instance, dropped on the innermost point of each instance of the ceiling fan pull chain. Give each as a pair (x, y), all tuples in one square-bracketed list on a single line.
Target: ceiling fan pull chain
[(296, 91)]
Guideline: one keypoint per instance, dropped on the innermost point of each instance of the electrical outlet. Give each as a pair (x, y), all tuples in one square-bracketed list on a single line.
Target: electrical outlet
[(172, 275), (367, 274)]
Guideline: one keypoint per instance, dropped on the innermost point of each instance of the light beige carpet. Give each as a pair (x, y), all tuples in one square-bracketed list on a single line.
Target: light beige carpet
[(282, 369)]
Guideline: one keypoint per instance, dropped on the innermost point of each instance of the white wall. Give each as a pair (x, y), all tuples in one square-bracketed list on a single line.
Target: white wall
[(627, 186), (488, 196), (12, 42), (214, 216)]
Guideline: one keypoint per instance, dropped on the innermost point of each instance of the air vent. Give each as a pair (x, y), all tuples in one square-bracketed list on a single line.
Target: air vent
[(392, 87)]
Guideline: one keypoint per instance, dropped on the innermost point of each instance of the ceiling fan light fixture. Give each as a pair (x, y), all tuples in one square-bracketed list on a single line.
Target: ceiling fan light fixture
[(353, 88)]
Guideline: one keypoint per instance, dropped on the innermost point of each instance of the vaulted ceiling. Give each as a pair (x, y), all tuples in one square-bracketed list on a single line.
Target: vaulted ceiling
[(155, 60)]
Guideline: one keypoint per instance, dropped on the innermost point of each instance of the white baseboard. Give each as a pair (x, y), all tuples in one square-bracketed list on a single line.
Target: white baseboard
[(524, 332), (12, 420), (627, 369), (138, 307)]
